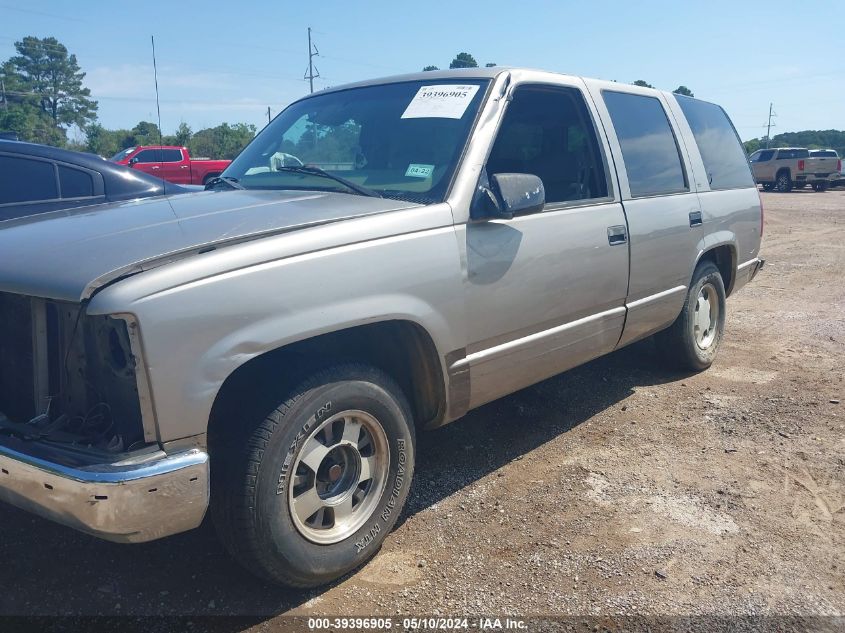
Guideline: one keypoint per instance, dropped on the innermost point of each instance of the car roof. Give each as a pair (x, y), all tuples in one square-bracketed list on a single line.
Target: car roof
[(79, 159), (115, 176)]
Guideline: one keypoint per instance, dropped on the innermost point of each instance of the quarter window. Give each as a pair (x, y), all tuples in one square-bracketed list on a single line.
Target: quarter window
[(75, 183), (649, 150), (720, 147), (25, 180), (548, 132)]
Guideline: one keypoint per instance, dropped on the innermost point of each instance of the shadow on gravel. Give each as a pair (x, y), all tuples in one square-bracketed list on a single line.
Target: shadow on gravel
[(47, 569)]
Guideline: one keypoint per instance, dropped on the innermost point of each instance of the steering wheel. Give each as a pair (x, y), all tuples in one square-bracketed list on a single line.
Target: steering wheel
[(283, 159)]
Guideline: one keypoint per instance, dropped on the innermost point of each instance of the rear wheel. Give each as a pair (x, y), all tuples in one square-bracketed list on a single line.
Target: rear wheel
[(692, 341), (310, 492), (209, 177), (820, 187), (783, 183)]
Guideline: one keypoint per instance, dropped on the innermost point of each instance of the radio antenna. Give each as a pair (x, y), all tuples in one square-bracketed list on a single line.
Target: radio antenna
[(158, 112)]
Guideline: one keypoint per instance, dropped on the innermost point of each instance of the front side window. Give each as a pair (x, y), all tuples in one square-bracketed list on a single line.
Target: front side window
[(763, 155), (651, 155), (548, 132), (25, 180), (148, 156), (400, 140), (720, 147)]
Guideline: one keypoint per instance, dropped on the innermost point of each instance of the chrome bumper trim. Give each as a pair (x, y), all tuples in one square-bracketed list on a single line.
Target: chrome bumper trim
[(122, 503)]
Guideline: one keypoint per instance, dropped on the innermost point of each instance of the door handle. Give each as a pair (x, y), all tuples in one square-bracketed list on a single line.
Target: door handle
[(155, 167), (617, 234), (183, 167), (695, 218)]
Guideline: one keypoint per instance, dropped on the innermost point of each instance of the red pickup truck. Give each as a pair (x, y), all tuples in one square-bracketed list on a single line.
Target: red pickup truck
[(171, 163)]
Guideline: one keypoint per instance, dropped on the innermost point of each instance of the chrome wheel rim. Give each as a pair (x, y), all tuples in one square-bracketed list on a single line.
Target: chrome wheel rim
[(338, 477), (706, 318)]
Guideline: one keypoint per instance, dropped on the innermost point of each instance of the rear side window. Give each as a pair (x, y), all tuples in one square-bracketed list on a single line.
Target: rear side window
[(648, 145), (75, 183), (25, 180), (720, 147), (171, 155), (824, 153)]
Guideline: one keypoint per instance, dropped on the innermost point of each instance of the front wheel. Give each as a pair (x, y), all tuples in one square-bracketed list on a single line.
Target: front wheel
[(310, 492), (768, 186), (692, 341)]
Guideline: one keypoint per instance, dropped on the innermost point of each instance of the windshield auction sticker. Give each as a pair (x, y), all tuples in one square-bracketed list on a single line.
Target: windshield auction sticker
[(447, 101)]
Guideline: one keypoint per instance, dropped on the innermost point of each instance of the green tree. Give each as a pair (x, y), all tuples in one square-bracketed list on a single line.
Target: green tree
[(464, 60), (427, 68), (683, 90), (53, 80), (644, 84), (223, 141), (183, 134)]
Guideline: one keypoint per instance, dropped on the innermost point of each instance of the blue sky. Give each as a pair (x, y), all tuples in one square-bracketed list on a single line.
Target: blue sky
[(229, 61)]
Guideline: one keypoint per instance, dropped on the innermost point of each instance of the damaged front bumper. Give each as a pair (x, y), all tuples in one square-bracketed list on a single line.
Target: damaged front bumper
[(126, 502)]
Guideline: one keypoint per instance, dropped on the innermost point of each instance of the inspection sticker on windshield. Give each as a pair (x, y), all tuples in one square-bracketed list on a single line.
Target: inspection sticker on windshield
[(419, 171), (446, 101)]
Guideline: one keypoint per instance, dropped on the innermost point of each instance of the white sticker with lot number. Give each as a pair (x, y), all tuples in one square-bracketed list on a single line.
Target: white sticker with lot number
[(446, 101), (419, 171)]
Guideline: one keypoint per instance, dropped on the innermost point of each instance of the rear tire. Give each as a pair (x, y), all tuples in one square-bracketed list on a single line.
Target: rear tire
[(692, 341), (820, 187), (208, 178), (308, 493)]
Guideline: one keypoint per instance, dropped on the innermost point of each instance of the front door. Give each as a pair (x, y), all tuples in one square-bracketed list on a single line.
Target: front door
[(546, 291)]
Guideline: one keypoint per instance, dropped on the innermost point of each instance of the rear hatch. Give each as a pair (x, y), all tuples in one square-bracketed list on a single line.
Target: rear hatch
[(822, 163)]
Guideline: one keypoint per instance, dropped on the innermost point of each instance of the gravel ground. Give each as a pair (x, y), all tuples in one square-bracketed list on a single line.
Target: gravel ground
[(618, 488)]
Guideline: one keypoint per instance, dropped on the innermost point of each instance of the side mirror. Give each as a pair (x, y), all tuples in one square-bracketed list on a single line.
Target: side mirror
[(133, 161), (513, 194)]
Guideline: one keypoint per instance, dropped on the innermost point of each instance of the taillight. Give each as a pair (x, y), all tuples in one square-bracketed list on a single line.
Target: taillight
[(839, 165), (761, 213), (800, 165)]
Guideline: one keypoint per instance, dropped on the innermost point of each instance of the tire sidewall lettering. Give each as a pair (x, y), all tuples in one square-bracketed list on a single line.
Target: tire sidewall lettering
[(293, 449)]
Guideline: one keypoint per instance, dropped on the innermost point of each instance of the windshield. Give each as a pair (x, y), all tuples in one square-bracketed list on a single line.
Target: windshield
[(122, 154), (400, 140)]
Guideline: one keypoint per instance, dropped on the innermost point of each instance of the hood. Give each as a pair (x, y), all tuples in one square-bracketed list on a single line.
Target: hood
[(67, 256)]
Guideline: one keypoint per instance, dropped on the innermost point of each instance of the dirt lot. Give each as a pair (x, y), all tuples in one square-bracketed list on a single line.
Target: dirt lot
[(617, 488)]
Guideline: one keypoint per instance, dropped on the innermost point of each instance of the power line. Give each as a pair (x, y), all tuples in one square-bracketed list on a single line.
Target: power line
[(312, 53)]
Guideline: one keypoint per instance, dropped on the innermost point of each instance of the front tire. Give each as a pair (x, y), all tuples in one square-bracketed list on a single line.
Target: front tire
[(692, 341), (309, 493), (783, 183)]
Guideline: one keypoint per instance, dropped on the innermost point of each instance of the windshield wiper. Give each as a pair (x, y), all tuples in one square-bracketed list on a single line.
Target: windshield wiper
[(225, 180), (316, 171)]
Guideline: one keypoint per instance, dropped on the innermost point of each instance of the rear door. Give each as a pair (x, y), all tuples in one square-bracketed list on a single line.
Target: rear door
[(664, 217), (546, 291), (174, 166)]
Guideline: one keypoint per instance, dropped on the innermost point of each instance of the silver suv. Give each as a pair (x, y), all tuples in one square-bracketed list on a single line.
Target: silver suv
[(381, 259)]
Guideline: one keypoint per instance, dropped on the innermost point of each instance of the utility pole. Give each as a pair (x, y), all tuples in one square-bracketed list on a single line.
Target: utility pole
[(312, 53), (268, 114), (3, 92), (769, 126)]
